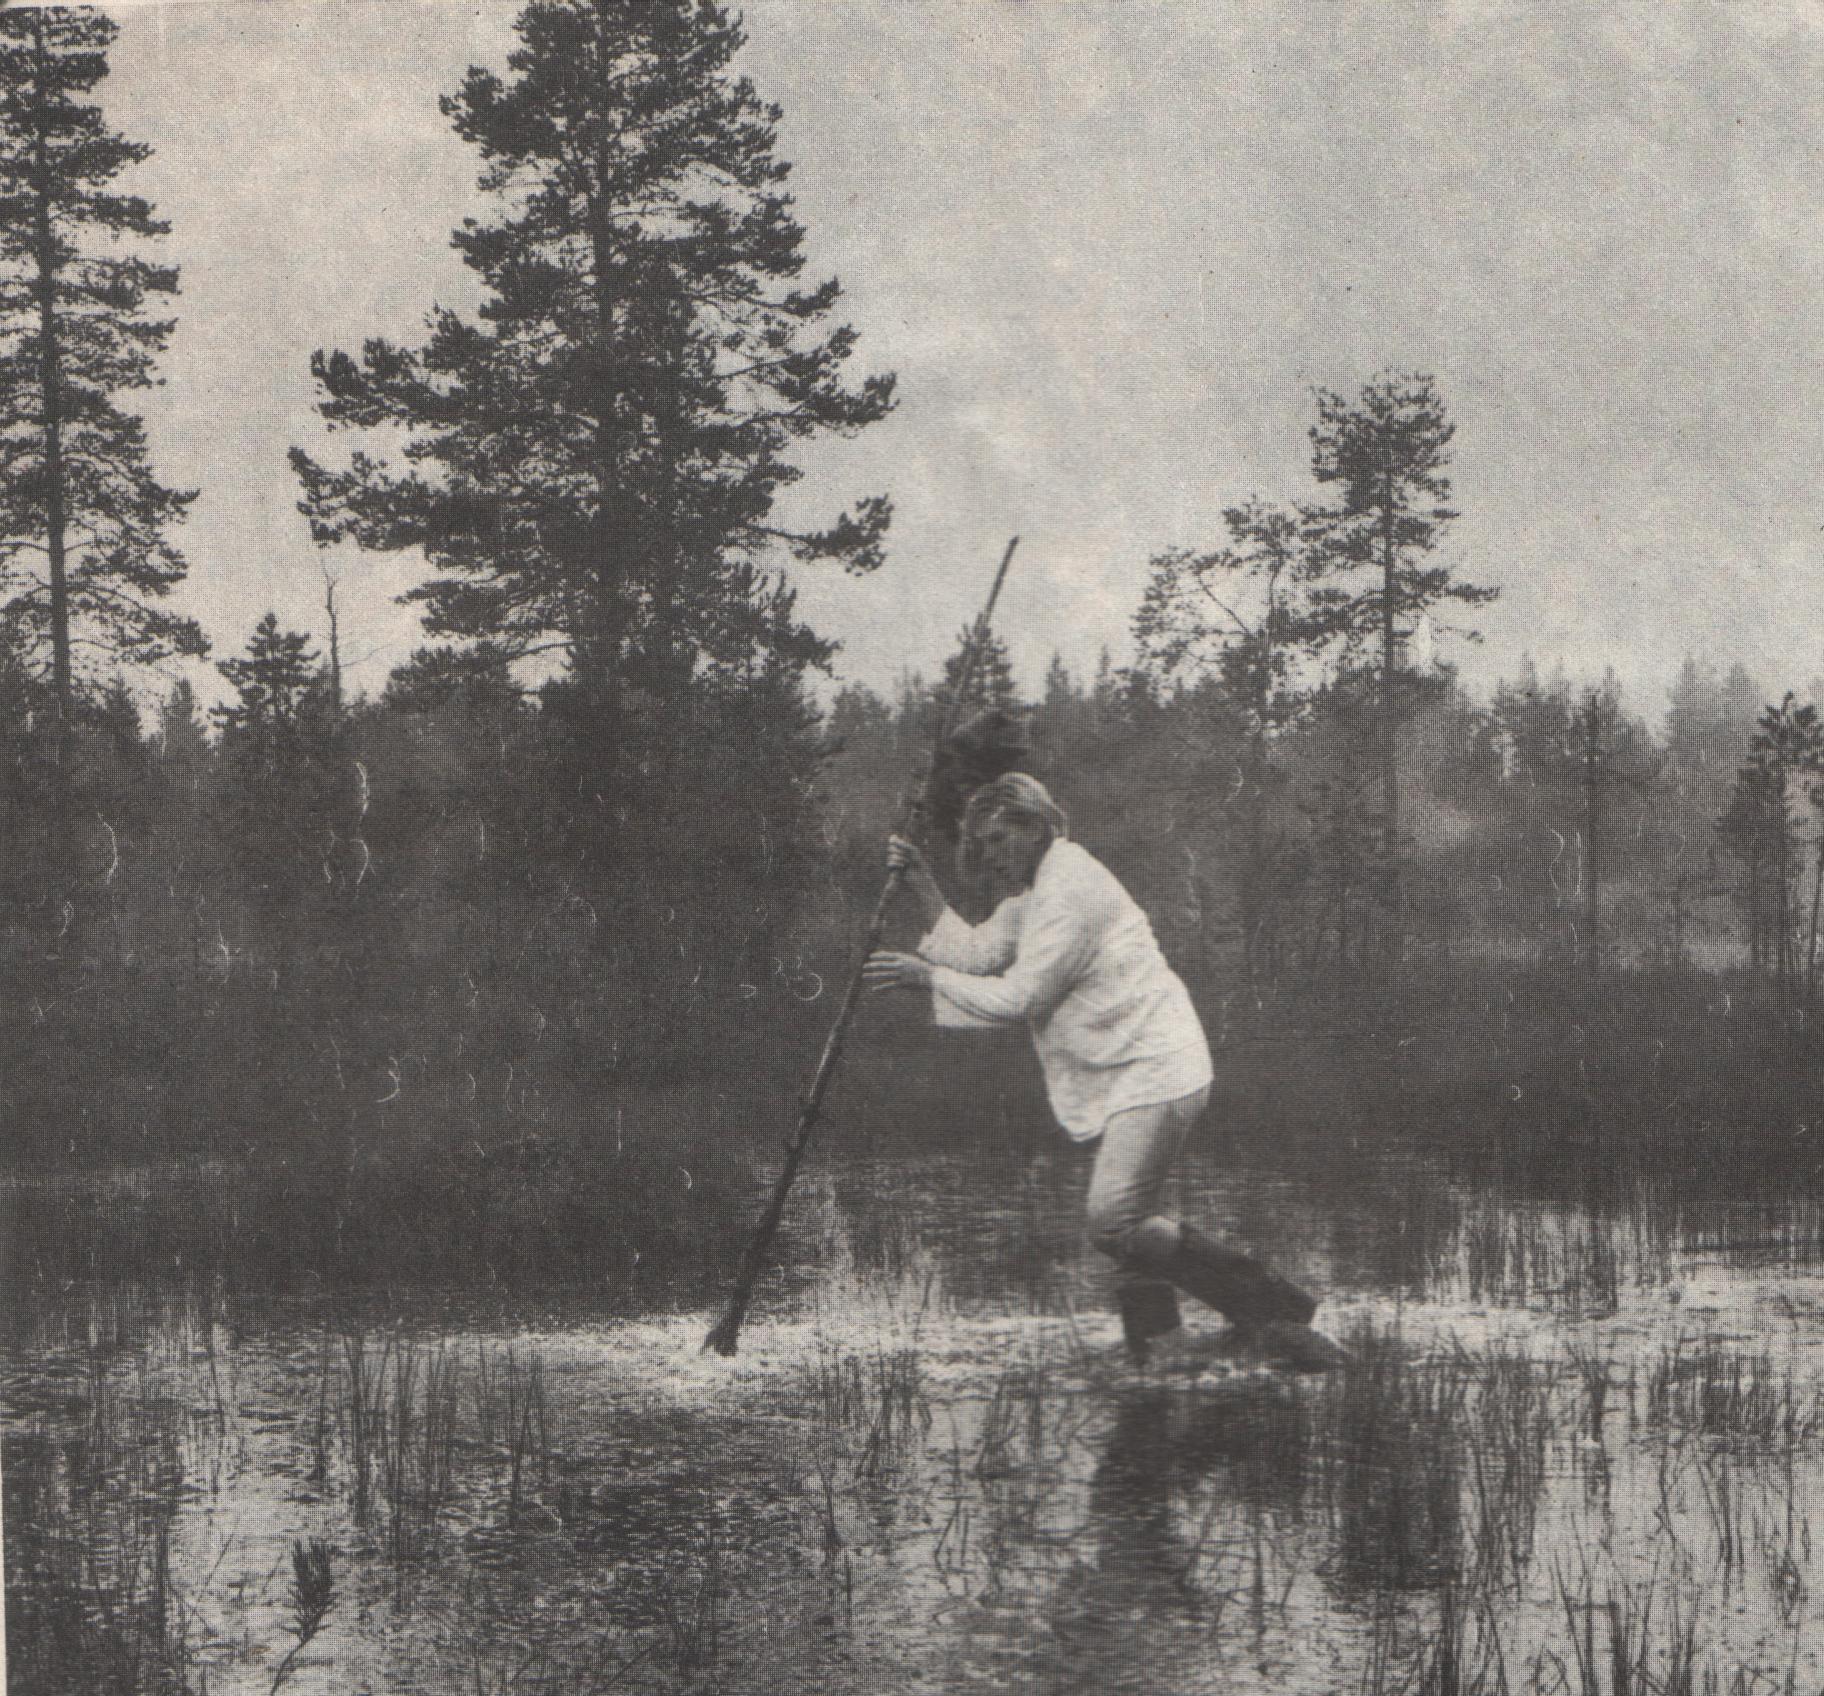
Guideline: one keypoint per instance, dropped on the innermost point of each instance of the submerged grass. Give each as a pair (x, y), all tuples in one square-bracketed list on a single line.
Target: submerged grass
[(1513, 1255), (1705, 1388), (1408, 1491), (1627, 1639), (95, 1604), (1392, 1481), (91, 1601)]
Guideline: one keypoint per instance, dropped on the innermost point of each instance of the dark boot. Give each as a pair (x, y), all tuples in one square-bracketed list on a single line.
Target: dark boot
[(1246, 1293), (1149, 1309), (1297, 1348)]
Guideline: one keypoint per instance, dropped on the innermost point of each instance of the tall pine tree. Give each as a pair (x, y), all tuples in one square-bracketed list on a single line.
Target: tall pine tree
[(1758, 827), (1388, 453), (288, 814), (991, 681), (271, 684), (85, 555), (593, 463)]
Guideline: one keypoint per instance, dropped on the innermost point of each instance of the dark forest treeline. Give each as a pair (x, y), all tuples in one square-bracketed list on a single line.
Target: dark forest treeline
[(440, 842), (1269, 868)]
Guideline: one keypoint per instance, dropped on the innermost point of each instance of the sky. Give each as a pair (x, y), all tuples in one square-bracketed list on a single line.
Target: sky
[(1109, 247)]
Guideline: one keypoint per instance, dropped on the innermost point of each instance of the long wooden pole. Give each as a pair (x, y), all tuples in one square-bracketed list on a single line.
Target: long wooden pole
[(723, 1334)]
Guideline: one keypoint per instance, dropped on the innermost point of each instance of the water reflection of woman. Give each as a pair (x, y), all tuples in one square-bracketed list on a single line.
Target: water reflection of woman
[(1183, 1480), (1069, 952)]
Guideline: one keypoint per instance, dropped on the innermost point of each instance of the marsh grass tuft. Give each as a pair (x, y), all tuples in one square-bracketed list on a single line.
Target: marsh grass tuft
[(1719, 1392), (400, 1418), (1392, 1473), (313, 1595), (1515, 1255), (691, 1595), (527, 1427)]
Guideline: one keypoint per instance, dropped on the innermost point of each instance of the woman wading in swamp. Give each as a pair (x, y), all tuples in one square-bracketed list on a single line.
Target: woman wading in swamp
[(1070, 953)]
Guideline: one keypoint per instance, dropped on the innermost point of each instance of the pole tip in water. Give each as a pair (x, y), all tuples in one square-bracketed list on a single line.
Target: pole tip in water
[(721, 1340)]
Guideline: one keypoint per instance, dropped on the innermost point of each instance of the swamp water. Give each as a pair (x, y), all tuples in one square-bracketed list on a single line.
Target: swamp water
[(1580, 1449)]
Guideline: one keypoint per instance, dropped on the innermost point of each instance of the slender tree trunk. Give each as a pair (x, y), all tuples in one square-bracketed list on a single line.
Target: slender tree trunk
[(1390, 775), (50, 380), (335, 648), (1393, 947), (1344, 869), (1252, 879), (599, 650), (1811, 945), (1592, 807), (1782, 907), (1756, 917)]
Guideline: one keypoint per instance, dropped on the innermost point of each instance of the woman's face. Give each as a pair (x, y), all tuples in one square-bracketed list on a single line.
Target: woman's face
[(1010, 850)]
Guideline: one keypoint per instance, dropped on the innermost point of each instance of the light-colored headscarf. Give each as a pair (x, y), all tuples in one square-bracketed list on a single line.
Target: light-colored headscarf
[(1015, 794), (1019, 794)]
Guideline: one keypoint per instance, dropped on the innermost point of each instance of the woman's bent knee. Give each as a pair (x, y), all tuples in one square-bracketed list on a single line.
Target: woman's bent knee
[(1128, 1241), (1111, 1238)]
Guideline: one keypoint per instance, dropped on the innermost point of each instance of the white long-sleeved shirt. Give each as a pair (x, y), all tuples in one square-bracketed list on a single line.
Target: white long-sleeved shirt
[(1076, 959)]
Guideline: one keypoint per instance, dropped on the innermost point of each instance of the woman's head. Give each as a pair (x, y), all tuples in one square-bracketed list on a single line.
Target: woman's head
[(1007, 826)]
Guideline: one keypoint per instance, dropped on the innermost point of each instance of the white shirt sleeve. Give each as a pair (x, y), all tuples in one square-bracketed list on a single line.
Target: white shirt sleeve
[(1057, 941), (982, 950)]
